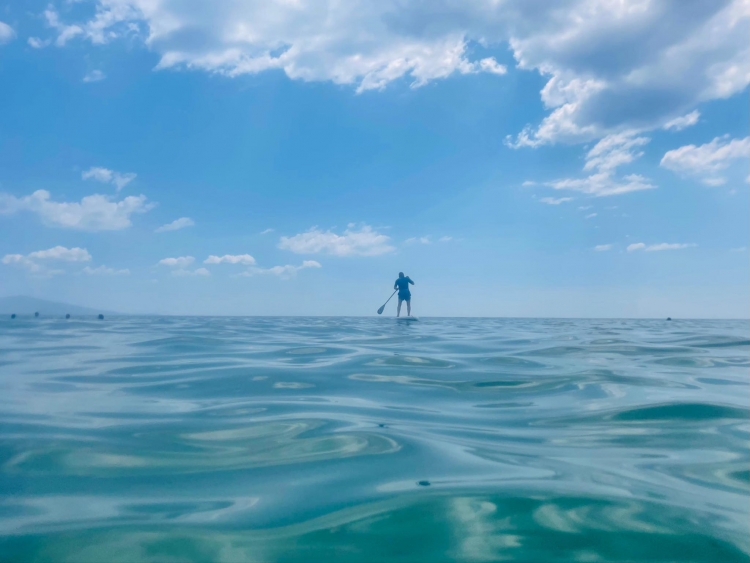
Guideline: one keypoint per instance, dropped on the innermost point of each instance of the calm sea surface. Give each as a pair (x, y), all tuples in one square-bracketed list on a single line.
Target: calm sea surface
[(365, 439)]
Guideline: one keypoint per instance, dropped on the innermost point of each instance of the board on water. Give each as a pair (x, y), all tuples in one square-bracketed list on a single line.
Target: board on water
[(407, 318)]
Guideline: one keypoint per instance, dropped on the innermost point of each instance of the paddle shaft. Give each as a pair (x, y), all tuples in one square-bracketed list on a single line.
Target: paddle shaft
[(380, 311)]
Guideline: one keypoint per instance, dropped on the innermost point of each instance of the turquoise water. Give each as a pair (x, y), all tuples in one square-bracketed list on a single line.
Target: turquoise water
[(363, 439)]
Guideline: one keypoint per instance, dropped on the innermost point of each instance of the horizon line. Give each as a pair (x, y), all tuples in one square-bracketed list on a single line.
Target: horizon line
[(116, 315)]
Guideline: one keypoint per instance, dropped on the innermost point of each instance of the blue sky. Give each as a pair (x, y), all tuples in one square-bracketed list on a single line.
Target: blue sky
[(582, 159)]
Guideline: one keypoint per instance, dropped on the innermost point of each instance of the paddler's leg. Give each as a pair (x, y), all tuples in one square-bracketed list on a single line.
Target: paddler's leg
[(398, 309), (408, 307)]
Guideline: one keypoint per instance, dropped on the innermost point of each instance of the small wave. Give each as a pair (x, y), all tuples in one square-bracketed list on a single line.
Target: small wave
[(292, 385), (411, 361), (682, 411)]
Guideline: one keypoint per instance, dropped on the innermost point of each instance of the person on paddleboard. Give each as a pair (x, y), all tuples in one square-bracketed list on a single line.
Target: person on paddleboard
[(402, 284)]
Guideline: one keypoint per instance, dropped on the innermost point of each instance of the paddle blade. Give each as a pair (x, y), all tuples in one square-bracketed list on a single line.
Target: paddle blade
[(380, 311)]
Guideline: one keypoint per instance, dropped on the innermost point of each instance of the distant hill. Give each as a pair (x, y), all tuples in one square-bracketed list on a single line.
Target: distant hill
[(22, 305)]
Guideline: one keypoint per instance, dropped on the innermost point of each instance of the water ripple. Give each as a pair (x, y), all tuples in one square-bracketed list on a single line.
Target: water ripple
[(304, 439)]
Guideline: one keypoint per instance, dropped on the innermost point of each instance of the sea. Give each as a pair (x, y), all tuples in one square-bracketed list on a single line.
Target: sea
[(306, 439)]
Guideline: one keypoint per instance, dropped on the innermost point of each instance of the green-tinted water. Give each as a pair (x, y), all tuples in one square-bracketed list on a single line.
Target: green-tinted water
[(311, 439)]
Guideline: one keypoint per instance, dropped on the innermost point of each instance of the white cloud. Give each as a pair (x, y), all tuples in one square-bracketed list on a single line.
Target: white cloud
[(614, 151), (175, 225), (64, 32), (528, 183), (266, 231), (201, 272), (708, 160), (93, 213), (492, 66), (107, 176), (7, 34), (61, 253), (680, 123), (284, 272), (362, 242), (58, 253), (603, 184), (657, 247), (35, 269), (112, 19), (95, 76), (21, 260), (445, 239), (738, 249), (37, 43), (245, 259), (104, 271), (602, 247), (605, 157), (420, 240), (591, 215), (636, 246), (555, 200), (178, 262), (666, 246)]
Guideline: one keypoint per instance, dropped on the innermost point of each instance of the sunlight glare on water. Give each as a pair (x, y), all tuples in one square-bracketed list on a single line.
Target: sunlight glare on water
[(363, 439)]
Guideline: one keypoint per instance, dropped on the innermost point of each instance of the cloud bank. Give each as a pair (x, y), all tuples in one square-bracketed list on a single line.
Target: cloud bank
[(609, 66)]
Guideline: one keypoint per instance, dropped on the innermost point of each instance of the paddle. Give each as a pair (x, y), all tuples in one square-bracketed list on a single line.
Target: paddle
[(380, 311)]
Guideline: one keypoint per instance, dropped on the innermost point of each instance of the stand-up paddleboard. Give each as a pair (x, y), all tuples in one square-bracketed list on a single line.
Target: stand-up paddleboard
[(407, 318)]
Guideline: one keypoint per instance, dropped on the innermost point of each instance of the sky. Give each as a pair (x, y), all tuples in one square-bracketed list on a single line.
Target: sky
[(522, 158)]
